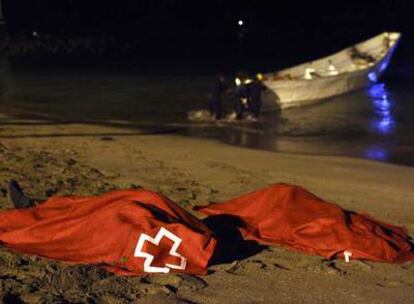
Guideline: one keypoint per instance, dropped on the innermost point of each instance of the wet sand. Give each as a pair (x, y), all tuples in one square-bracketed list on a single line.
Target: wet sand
[(49, 158)]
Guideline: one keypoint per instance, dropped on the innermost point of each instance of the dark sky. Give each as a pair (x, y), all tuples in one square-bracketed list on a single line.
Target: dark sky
[(194, 27), (94, 14)]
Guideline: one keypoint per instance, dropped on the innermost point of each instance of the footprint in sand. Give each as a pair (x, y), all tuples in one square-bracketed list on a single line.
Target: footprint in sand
[(247, 266), (390, 283), (162, 299)]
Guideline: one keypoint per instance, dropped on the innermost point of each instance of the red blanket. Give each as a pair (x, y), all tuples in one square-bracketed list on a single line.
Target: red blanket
[(137, 231), (292, 216), (126, 232)]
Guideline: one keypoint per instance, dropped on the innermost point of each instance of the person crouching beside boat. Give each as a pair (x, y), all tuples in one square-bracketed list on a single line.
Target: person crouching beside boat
[(217, 91), (254, 91), (241, 98)]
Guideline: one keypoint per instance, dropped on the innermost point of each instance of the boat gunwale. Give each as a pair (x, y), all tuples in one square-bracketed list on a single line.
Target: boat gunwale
[(341, 74)]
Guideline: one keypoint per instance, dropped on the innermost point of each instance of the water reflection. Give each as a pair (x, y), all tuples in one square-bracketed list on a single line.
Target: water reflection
[(383, 122), (5, 83), (360, 124), (377, 153)]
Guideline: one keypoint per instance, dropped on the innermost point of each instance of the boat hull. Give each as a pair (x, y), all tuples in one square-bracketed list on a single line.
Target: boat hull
[(282, 94)]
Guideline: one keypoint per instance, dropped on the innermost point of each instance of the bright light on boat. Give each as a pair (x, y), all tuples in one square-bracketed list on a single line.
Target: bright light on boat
[(240, 22), (394, 36)]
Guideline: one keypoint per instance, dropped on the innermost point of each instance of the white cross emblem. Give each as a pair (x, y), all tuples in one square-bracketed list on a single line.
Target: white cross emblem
[(156, 241)]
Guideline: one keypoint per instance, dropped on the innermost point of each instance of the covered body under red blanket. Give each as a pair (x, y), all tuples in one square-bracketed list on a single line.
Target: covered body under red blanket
[(292, 216), (126, 232), (132, 232)]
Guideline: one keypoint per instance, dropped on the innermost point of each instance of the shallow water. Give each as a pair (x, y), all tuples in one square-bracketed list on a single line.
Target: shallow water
[(374, 124)]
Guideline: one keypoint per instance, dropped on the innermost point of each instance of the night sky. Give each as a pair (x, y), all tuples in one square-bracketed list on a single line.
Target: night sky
[(182, 28)]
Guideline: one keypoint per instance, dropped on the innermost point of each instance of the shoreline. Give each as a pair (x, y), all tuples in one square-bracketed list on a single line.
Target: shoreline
[(234, 135), (60, 159)]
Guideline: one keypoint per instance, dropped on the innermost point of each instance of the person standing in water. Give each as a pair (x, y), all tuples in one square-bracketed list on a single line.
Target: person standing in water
[(217, 91)]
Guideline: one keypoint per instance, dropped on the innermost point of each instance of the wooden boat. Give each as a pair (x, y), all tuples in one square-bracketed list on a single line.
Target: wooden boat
[(348, 70)]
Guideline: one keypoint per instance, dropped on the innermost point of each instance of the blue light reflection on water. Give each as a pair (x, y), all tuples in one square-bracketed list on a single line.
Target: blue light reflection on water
[(383, 122), (383, 66), (377, 153), (373, 77)]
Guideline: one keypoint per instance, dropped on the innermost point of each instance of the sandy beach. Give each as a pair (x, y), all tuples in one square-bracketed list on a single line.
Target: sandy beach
[(53, 158)]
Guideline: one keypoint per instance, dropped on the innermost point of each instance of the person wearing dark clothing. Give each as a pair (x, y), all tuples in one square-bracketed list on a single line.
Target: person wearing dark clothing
[(219, 87), (241, 98), (254, 90)]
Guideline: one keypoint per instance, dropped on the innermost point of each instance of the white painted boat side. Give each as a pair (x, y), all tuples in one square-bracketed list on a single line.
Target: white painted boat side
[(352, 75)]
